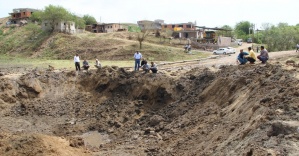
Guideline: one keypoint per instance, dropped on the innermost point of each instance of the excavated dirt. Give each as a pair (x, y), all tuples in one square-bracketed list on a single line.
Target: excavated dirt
[(235, 110)]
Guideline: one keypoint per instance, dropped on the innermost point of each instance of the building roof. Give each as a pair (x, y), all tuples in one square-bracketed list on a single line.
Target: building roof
[(178, 23), (24, 9)]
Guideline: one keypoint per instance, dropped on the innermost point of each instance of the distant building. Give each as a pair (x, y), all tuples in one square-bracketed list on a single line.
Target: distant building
[(105, 27), (150, 25), (179, 26), (21, 15), (67, 27)]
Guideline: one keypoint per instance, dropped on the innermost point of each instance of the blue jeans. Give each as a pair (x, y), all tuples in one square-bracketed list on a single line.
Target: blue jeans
[(242, 60), (137, 64), (263, 59)]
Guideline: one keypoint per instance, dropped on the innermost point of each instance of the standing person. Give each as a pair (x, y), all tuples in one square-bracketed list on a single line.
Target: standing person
[(264, 56), (137, 57), (77, 62), (297, 46), (153, 67), (241, 57), (251, 57)]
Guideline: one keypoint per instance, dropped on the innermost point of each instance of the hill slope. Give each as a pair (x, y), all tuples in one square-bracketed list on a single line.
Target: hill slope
[(21, 41)]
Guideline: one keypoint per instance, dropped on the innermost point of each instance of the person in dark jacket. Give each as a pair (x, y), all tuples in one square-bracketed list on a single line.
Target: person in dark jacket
[(241, 57)]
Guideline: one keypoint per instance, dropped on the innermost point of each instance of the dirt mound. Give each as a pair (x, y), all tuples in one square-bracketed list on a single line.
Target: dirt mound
[(238, 110)]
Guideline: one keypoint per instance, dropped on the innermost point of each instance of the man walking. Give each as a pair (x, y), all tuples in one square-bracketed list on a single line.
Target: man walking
[(297, 46), (137, 57), (264, 55), (77, 62)]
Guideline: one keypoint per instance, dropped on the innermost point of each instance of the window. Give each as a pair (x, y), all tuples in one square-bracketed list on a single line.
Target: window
[(24, 13), (173, 26), (188, 26), (181, 26)]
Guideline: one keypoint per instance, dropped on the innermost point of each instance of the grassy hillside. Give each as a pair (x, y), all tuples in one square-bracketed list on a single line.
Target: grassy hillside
[(24, 42)]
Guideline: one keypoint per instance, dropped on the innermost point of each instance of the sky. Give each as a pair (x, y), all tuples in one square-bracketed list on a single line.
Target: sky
[(209, 13)]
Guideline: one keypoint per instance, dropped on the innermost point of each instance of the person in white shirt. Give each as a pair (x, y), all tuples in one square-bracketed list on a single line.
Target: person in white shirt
[(137, 57), (98, 64), (77, 62)]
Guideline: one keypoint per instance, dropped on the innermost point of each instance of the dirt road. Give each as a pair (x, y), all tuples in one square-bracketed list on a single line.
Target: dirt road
[(218, 60)]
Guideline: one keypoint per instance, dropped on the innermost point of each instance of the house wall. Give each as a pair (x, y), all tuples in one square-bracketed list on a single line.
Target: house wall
[(195, 34), (25, 14), (184, 26), (68, 27), (112, 27), (224, 41), (150, 25)]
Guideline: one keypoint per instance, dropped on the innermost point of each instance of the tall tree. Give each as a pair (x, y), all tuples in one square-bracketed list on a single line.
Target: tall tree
[(89, 20), (242, 29), (55, 14)]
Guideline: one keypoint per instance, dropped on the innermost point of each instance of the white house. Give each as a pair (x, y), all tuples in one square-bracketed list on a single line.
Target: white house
[(67, 27)]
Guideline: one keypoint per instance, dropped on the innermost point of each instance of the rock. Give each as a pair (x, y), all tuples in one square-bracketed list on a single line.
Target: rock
[(155, 120), (279, 111)]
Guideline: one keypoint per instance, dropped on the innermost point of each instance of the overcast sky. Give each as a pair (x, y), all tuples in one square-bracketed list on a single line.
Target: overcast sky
[(209, 13)]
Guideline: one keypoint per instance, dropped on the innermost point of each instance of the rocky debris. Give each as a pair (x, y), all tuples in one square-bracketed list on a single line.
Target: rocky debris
[(237, 110)]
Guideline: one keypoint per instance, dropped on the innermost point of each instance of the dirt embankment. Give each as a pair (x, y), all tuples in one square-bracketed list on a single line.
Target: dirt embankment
[(238, 110)]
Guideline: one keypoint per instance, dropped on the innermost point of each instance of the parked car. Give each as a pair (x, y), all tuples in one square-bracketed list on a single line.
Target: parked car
[(249, 40), (231, 50), (221, 51), (224, 51), (239, 42)]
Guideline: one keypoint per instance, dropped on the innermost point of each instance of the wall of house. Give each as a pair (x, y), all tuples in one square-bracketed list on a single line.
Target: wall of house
[(184, 26), (112, 27), (68, 27), (25, 14), (224, 41)]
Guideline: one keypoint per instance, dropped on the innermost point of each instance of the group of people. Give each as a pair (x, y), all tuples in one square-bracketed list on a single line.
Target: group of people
[(137, 57), (242, 58), (85, 63), (251, 57), (144, 66)]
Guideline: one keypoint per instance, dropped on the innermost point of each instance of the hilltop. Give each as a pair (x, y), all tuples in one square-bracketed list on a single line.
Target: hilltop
[(19, 41)]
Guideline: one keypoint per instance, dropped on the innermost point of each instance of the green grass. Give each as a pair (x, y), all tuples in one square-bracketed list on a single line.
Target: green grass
[(8, 61)]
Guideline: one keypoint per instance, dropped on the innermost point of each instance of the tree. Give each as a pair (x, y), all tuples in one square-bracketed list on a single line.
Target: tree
[(226, 32), (280, 37), (89, 20), (33, 28), (55, 14), (36, 17), (242, 29), (141, 37), (79, 22)]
